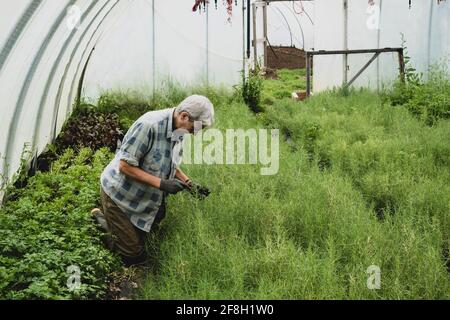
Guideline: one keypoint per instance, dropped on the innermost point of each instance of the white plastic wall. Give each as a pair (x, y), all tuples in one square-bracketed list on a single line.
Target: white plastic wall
[(47, 45), (289, 24), (426, 28), (225, 46), (41, 48), (328, 35), (123, 53), (190, 48)]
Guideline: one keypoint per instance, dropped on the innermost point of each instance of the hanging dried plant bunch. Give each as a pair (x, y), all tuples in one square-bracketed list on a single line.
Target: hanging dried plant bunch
[(198, 4)]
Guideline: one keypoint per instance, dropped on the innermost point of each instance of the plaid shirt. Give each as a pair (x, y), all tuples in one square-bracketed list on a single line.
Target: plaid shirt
[(149, 145)]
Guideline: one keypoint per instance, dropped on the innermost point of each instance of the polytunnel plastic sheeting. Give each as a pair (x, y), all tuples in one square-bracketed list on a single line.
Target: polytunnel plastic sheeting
[(46, 47), (425, 27), (225, 57), (8, 22), (440, 23), (328, 35), (30, 37), (153, 44), (38, 81), (180, 44), (289, 24), (124, 53), (84, 48), (65, 90)]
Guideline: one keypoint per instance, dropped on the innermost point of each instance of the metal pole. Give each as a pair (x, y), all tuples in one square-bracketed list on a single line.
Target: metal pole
[(207, 46), (430, 29), (265, 33), (255, 51), (153, 48), (378, 44), (345, 74), (357, 51), (243, 42), (308, 74), (248, 27)]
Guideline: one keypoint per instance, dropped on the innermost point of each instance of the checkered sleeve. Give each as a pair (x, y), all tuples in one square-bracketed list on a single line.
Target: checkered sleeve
[(136, 143)]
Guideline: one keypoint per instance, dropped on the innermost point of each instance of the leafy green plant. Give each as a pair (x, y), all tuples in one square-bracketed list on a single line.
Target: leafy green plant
[(91, 129), (413, 77), (20, 177), (431, 102), (428, 100), (48, 228), (251, 90)]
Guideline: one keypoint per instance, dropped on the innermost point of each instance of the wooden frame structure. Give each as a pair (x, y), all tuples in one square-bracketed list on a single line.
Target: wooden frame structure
[(310, 55)]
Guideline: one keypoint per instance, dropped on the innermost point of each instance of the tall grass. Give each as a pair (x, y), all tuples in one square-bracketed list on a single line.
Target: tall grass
[(360, 183), (286, 82)]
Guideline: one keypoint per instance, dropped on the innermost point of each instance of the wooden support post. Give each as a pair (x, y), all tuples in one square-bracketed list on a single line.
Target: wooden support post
[(310, 55), (401, 62), (308, 74)]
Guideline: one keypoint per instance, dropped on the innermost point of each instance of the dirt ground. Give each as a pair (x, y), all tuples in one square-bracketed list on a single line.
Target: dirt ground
[(285, 58), (127, 283)]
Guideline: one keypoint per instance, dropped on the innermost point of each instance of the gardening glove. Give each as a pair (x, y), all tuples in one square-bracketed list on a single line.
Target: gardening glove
[(189, 184), (172, 186), (198, 191)]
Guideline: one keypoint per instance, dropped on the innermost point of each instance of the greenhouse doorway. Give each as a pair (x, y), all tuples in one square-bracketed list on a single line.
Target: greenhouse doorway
[(282, 33)]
